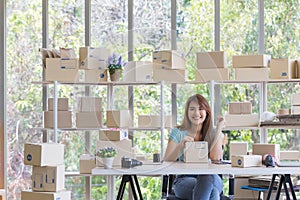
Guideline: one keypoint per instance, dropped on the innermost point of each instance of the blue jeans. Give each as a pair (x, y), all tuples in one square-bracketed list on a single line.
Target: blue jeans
[(201, 187)]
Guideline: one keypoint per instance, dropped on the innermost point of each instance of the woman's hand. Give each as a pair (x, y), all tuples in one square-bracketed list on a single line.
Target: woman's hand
[(186, 139), (220, 122)]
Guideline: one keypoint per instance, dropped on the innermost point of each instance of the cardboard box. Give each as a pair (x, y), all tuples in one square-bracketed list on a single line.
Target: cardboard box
[(246, 160), (64, 119), (238, 148), (48, 178), (161, 73), (89, 119), (263, 149), (90, 104), (251, 74), (250, 61), (295, 100), (113, 135), (214, 59), (242, 194), (62, 70), (87, 162), (282, 68), (170, 59), (62, 104), (295, 110), (44, 154), (219, 74), (239, 108), (196, 152), (123, 147), (250, 120), (138, 71), (153, 121), (289, 155), (118, 119), (61, 195), (95, 75), (93, 58)]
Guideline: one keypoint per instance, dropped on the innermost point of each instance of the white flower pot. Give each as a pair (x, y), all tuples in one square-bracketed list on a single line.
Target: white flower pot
[(108, 162)]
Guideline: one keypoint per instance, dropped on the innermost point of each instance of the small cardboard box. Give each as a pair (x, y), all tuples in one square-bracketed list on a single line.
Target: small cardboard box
[(153, 121), (61, 195), (113, 135), (161, 73), (93, 58), (138, 71), (90, 104), (44, 154), (87, 163), (214, 59), (295, 110), (118, 119), (282, 68), (95, 75), (62, 104), (246, 160), (263, 149), (250, 120), (64, 119), (250, 61), (241, 194), (171, 59), (196, 152), (251, 74), (62, 70), (239, 108), (290, 155), (89, 119), (219, 74), (48, 178), (295, 99), (238, 148)]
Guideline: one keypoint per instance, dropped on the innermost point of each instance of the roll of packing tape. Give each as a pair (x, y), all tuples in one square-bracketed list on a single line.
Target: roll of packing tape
[(284, 111)]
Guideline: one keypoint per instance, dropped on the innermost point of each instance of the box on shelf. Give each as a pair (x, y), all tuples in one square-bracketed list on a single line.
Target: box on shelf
[(282, 68), (95, 75), (118, 119), (61, 195), (238, 148), (247, 61), (251, 74), (89, 119), (138, 71), (295, 99), (218, 74), (153, 121), (289, 155), (246, 160), (160, 73), (213, 59), (263, 149), (62, 104), (93, 58), (241, 120), (239, 108), (170, 59), (43, 154), (90, 104), (113, 135), (48, 178), (64, 119), (295, 110), (62, 70), (196, 152), (86, 163)]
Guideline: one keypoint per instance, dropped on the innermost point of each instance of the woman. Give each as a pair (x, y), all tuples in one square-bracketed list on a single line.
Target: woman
[(196, 126)]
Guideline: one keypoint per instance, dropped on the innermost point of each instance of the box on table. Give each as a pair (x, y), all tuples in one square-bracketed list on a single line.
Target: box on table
[(93, 58), (171, 59), (219, 74), (246, 160), (43, 154), (239, 108), (113, 135), (89, 119), (238, 148), (282, 68), (87, 162), (196, 152), (95, 75), (241, 120), (290, 155), (61, 195), (62, 70), (123, 147), (247, 61), (295, 99), (62, 104), (213, 59), (153, 121), (90, 104), (64, 119), (138, 71), (263, 149), (48, 178), (161, 73), (251, 74), (118, 119)]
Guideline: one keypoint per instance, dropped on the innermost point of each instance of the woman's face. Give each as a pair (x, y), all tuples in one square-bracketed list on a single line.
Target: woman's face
[(196, 113)]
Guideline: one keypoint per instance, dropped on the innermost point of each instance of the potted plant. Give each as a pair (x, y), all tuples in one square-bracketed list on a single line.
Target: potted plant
[(115, 66), (107, 154)]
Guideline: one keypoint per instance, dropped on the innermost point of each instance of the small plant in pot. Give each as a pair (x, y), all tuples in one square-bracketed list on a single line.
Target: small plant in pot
[(115, 65), (107, 155)]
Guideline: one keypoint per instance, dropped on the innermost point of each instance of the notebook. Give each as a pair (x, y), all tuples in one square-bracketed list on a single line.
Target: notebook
[(288, 163)]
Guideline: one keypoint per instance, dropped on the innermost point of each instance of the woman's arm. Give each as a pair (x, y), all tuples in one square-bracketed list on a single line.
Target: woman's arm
[(216, 150)]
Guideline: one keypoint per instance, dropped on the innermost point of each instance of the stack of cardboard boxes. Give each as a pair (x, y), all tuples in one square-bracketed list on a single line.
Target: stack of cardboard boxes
[(48, 172), (240, 114)]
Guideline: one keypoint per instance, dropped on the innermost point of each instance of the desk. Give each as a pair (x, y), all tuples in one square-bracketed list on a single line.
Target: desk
[(167, 168)]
